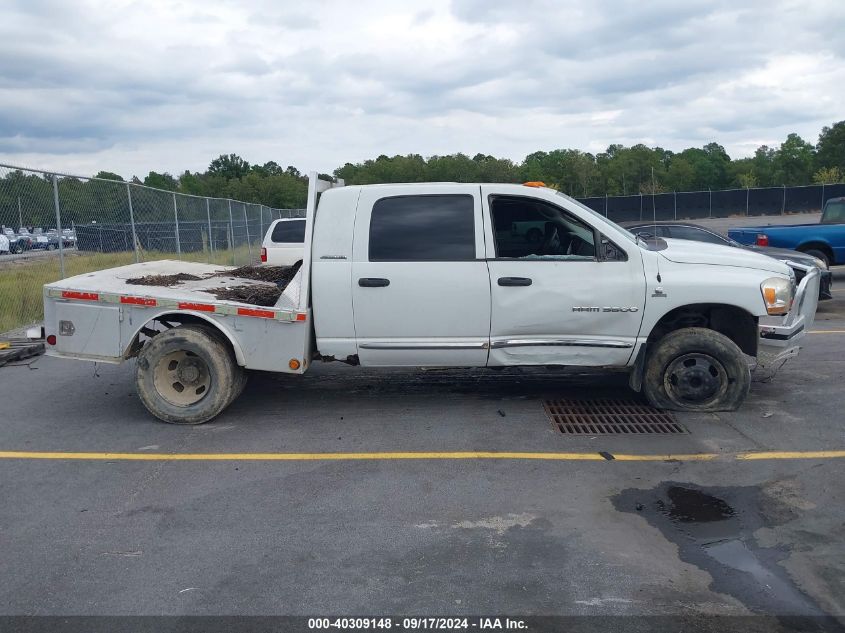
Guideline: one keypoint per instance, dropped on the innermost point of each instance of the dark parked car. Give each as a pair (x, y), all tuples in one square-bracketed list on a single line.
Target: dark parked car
[(689, 231)]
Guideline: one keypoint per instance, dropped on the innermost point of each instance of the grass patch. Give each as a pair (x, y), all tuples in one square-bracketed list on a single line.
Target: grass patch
[(22, 281)]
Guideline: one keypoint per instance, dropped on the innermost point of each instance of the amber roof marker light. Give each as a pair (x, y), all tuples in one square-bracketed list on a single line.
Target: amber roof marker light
[(534, 183)]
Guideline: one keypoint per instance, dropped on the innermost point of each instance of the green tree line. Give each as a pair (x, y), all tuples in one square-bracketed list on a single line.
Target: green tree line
[(619, 170)]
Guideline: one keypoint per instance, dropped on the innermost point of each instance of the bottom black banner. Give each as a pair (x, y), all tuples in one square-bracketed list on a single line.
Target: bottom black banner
[(272, 624)]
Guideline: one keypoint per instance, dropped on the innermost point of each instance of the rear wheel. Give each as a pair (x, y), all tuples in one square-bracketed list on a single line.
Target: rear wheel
[(696, 369), (187, 375)]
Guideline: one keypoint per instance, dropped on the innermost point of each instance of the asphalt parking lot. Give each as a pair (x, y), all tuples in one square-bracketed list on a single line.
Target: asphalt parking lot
[(682, 524)]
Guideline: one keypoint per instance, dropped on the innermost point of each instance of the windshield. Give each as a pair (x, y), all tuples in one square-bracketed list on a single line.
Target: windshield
[(622, 230)]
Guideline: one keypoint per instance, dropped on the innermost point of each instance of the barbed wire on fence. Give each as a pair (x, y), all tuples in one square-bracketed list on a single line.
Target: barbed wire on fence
[(55, 225)]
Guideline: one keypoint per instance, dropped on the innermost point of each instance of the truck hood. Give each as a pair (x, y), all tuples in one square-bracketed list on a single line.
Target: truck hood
[(689, 252)]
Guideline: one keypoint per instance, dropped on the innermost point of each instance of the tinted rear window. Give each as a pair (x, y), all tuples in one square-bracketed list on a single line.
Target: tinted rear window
[(289, 232), (423, 228)]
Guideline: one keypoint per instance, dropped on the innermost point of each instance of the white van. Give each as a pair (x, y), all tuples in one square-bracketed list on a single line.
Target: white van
[(284, 242)]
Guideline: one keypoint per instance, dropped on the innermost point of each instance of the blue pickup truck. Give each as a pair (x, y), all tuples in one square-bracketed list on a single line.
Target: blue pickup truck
[(825, 240)]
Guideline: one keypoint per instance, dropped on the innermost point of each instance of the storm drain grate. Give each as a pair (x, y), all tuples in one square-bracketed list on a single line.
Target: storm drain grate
[(608, 416)]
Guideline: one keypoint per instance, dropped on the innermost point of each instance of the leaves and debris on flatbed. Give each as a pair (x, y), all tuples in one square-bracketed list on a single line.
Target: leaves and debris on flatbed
[(162, 280), (274, 279), (259, 295), (279, 275)]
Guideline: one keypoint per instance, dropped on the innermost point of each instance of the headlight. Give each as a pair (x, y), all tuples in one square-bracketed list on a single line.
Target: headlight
[(820, 263), (777, 294)]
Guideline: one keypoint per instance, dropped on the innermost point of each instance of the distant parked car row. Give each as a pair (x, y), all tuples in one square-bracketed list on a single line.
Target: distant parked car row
[(23, 240)]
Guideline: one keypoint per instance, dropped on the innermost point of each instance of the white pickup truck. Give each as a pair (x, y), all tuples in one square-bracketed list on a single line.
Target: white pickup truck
[(432, 275), (283, 242)]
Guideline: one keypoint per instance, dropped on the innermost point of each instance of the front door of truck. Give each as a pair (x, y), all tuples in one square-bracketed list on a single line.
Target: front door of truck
[(420, 288), (562, 294)]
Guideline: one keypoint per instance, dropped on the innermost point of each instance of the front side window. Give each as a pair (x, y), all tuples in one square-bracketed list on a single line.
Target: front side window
[(292, 232), (526, 228), (423, 229)]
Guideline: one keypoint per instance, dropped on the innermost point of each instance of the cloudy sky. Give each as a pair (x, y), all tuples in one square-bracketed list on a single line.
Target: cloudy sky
[(131, 87)]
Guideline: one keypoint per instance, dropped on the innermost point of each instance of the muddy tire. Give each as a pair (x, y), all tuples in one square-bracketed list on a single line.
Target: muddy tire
[(696, 369), (187, 375)]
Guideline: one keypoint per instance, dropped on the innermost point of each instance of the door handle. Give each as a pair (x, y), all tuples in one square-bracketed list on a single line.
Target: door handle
[(514, 281), (373, 282)]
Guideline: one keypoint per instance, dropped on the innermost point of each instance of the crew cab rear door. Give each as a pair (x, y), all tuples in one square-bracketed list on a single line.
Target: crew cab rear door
[(420, 287), (562, 292)]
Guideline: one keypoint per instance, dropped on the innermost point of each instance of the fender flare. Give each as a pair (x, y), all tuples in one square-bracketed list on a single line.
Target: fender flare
[(239, 354)]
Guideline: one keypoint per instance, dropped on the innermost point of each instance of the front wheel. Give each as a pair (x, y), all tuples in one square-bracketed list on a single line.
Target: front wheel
[(696, 369), (187, 375)]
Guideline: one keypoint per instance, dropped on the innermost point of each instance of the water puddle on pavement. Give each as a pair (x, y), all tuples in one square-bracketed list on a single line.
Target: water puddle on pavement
[(714, 530)]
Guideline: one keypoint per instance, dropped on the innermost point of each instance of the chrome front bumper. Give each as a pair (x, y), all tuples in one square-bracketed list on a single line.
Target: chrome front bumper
[(779, 336)]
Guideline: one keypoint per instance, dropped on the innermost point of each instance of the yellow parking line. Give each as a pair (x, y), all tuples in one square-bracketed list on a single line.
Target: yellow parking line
[(693, 457), (296, 457), (826, 332), (792, 455), (305, 457)]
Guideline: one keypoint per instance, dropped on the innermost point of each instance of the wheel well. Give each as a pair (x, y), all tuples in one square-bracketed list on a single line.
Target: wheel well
[(818, 246), (737, 324), (164, 322)]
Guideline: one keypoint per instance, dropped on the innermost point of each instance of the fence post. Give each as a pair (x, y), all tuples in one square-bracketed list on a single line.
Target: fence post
[(176, 215), (232, 234), (210, 239), (822, 207), (783, 204), (676, 204), (248, 245), (641, 206), (710, 209), (59, 225), (132, 222), (605, 204), (747, 195)]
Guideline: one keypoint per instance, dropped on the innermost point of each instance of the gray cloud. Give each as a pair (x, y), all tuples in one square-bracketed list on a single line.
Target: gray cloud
[(160, 85)]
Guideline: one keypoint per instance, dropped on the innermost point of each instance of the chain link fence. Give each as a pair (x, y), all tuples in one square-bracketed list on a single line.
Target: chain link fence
[(57, 225), (697, 205)]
